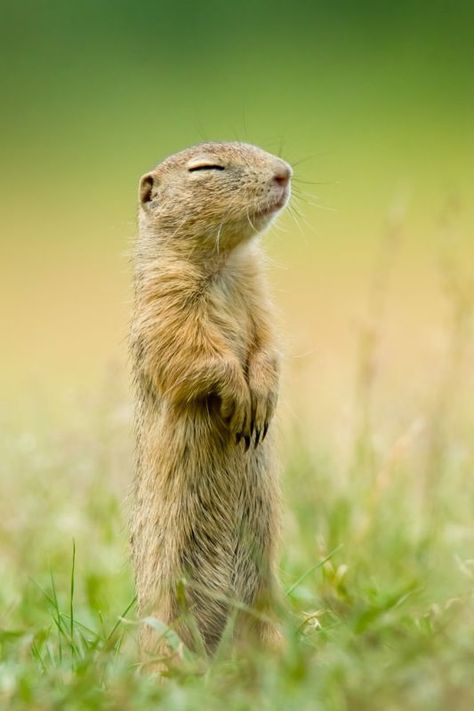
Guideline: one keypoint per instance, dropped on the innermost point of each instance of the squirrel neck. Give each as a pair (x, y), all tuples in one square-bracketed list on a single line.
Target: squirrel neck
[(195, 258)]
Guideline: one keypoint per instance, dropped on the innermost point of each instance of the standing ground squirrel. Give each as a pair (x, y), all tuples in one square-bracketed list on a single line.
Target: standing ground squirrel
[(205, 517)]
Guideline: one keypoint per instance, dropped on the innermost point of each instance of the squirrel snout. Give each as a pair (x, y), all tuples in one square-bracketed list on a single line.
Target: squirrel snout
[(282, 174)]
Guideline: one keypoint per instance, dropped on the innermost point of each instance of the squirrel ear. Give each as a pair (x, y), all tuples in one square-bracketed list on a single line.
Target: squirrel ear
[(146, 188)]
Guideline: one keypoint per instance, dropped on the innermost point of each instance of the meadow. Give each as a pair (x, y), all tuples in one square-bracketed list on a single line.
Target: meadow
[(371, 269)]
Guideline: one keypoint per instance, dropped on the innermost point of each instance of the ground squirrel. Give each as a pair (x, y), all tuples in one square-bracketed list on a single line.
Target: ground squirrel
[(206, 370)]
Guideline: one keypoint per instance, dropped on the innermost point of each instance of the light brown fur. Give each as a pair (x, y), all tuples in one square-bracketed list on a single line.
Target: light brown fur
[(206, 370)]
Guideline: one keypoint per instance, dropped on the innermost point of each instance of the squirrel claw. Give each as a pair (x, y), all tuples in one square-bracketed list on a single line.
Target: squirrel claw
[(265, 430), (257, 438), (247, 442)]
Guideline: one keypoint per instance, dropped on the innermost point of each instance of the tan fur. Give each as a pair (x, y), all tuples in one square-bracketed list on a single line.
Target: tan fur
[(206, 371)]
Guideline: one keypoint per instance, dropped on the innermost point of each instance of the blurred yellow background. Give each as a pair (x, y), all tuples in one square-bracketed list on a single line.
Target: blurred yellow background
[(372, 102)]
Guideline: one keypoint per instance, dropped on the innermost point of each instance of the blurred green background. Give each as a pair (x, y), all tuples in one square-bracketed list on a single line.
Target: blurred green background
[(372, 269), (372, 101)]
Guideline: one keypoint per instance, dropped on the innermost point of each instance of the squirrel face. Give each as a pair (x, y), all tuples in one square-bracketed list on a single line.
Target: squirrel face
[(214, 193)]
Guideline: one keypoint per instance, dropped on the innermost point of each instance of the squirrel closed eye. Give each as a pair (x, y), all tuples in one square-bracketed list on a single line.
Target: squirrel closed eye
[(205, 166)]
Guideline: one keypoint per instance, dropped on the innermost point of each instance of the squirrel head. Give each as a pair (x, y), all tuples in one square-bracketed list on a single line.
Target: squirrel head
[(214, 195)]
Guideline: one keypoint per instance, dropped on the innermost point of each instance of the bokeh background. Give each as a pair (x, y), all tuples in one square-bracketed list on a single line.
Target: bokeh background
[(372, 270), (373, 102)]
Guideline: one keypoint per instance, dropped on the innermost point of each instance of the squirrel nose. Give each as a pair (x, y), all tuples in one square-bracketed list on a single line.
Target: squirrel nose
[(282, 174)]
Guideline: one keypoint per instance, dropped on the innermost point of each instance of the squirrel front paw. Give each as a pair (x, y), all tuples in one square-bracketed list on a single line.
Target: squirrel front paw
[(236, 406), (263, 384), (249, 408)]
